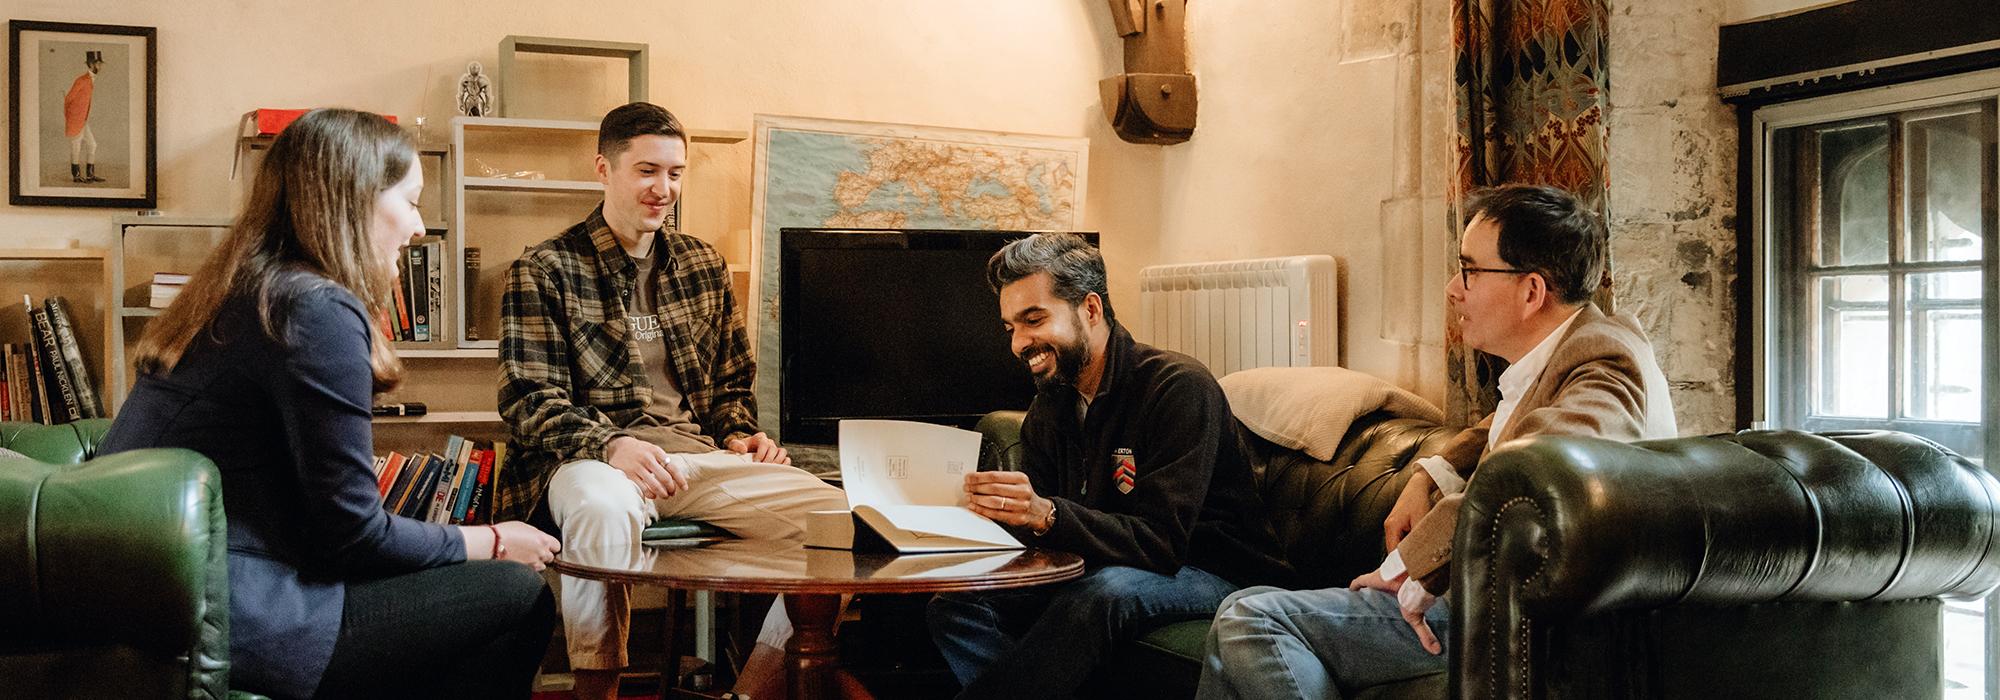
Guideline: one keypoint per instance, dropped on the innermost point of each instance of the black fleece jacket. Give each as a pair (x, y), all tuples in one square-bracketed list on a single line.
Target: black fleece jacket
[(1193, 500)]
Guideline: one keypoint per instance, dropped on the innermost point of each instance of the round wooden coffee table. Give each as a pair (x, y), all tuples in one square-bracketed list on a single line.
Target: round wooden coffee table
[(812, 581)]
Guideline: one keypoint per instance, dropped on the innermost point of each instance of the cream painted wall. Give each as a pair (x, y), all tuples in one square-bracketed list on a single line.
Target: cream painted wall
[(1320, 133), (1026, 66)]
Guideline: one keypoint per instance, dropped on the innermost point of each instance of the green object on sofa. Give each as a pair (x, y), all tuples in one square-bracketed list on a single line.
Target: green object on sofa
[(1685, 568), (114, 569)]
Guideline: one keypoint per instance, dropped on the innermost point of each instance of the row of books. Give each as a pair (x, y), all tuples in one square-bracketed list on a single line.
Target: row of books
[(419, 291), (452, 487), (46, 379), (165, 288)]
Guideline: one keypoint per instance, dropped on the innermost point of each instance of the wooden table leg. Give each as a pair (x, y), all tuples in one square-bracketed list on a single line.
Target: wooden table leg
[(812, 651)]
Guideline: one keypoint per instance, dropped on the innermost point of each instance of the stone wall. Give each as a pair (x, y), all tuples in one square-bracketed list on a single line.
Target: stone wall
[(1673, 200)]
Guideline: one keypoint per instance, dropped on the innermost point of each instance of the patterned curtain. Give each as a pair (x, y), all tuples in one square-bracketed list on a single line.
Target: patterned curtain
[(1531, 92)]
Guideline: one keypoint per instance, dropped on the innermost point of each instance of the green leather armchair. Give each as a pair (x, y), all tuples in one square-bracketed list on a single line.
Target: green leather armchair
[(113, 570)]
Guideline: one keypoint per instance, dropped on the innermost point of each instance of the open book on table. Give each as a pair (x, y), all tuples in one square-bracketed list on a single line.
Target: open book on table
[(906, 485)]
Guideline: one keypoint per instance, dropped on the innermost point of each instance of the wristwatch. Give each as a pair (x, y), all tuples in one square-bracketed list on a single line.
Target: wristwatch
[(1047, 523)]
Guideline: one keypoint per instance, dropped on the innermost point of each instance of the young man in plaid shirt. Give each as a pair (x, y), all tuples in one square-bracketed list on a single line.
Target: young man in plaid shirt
[(626, 385)]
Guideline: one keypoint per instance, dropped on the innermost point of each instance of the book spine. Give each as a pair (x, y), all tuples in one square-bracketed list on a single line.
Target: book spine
[(402, 306), (466, 304), (468, 479), (499, 463), (7, 373), (475, 512), (440, 499), (400, 491), (390, 470), (79, 373), (420, 299), (62, 393), (434, 274), (17, 384), (419, 502)]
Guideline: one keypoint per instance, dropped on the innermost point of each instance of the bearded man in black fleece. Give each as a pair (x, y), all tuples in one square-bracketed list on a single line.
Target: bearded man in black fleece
[(1130, 461)]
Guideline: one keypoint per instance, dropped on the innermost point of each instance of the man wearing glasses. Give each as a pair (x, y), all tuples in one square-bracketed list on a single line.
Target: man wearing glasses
[(1528, 263)]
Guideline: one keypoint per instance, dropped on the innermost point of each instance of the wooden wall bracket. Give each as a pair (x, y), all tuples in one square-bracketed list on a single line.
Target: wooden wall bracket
[(1153, 101)]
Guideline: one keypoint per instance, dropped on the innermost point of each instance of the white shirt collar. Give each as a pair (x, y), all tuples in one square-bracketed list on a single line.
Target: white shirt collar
[(1520, 376)]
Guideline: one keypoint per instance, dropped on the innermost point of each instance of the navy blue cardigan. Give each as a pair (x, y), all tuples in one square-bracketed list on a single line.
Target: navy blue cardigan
[(287, 423)]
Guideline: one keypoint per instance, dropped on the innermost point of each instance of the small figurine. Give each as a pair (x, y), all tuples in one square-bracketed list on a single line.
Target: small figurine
[(475, 92)]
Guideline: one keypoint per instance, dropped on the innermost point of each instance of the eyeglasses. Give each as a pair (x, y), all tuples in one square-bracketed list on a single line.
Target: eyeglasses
[(1465, 273)]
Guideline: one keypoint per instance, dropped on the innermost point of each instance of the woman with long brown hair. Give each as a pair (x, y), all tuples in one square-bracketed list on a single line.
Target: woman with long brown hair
[(267, 364)]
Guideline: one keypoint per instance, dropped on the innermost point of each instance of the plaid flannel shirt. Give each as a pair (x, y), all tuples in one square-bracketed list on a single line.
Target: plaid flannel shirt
[(571, 378)]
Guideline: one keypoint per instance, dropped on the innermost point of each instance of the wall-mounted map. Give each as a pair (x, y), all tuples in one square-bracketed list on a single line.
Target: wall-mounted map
[(829, 173)]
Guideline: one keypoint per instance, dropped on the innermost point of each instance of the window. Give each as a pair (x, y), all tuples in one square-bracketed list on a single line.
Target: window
[(1874, 268)]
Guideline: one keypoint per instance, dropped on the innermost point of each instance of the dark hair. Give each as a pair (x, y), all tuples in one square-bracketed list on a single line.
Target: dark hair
[(632, 121), (1075, 267), (1547, 231)]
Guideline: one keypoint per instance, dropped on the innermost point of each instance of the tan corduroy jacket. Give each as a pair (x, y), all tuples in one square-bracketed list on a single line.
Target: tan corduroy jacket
[(1596, 384)]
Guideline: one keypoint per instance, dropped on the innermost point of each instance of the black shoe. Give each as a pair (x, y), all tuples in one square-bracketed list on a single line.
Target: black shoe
[(76, 173), (90, 173)]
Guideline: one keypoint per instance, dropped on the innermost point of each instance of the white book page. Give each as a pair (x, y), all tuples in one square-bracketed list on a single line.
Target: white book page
[(896, 463), (944, 527)]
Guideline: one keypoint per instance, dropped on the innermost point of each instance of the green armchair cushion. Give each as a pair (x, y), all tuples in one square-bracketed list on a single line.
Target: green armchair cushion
[(113, 571)]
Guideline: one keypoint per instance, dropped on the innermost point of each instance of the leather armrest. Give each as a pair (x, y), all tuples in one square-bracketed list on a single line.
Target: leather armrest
[(1555, 527), (1000, 441)]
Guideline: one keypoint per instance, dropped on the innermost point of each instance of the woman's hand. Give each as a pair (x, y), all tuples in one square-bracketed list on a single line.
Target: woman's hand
[(519, 542)]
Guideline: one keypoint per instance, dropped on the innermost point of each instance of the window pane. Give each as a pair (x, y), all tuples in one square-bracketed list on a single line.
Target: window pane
[(1942, 344), (1854, 194), (1946, 177), (1851, 357)]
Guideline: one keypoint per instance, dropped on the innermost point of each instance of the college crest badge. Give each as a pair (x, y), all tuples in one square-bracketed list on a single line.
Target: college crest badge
[(1127, 473)]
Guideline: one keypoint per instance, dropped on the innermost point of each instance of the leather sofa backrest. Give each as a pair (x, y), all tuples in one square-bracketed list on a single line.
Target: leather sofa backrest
[(1328, 515)]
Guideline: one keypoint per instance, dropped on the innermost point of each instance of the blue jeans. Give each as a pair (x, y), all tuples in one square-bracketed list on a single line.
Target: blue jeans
[(1044, 642), (1270, 642)]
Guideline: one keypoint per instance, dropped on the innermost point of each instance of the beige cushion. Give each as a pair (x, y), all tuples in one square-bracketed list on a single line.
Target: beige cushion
[(1309, 408)]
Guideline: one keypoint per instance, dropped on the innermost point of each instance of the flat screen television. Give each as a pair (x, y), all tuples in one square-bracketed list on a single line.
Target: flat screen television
[(892, 324)]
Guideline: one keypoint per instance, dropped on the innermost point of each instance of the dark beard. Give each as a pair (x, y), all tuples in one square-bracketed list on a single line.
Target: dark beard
[(1070, 360)]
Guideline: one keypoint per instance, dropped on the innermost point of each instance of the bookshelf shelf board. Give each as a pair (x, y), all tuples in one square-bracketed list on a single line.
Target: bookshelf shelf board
[(138, 312), (445, 417), (450, 353), (508, 123), (513, 185), (52, 254)]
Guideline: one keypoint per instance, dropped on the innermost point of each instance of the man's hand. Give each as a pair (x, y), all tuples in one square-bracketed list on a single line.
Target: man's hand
[(1411, 599), (646, 465), (760, 447), (1006, 498), (1410, 507)]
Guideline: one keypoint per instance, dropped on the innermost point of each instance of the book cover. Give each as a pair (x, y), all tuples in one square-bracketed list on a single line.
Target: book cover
[(440, 498), (63, 404), (468, 480), (391, 468), (475, 512), (72, 351), (420, 300), (471, 292), (434, 274), (408, 483)]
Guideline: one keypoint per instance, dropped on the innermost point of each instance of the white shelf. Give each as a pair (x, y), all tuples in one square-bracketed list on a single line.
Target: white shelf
[(445, 417), (505, 184), (139, 312), (510, 123), (449, 353)]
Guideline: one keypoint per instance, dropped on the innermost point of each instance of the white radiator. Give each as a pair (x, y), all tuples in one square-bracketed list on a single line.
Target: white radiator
[(1243, 314)]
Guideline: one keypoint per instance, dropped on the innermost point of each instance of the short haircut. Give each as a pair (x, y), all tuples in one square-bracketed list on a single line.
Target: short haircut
[(632, 121), (1547, 231), (1075, 267)]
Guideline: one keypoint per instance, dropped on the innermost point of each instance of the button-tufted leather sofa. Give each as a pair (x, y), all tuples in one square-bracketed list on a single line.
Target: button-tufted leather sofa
[(1760, 564), (113, 570)]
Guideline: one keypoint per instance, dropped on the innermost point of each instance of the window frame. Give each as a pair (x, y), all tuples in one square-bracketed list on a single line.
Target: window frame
[(1768, 305)]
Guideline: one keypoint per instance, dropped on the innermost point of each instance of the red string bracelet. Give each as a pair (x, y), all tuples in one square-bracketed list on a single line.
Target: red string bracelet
[(499, 550)]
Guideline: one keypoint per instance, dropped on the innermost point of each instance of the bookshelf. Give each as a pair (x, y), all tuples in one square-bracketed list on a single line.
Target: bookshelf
[(41, 273), (520, 181), (141, 246)]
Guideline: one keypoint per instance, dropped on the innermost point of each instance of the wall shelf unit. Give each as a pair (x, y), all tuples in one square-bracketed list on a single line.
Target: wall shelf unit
[(106, 357)]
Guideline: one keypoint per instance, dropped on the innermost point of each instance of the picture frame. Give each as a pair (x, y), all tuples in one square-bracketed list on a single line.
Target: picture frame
[(82, 113)]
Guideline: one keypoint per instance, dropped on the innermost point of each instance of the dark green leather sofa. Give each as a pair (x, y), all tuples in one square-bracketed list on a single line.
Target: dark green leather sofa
[(113, 571), (1759, 564)]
